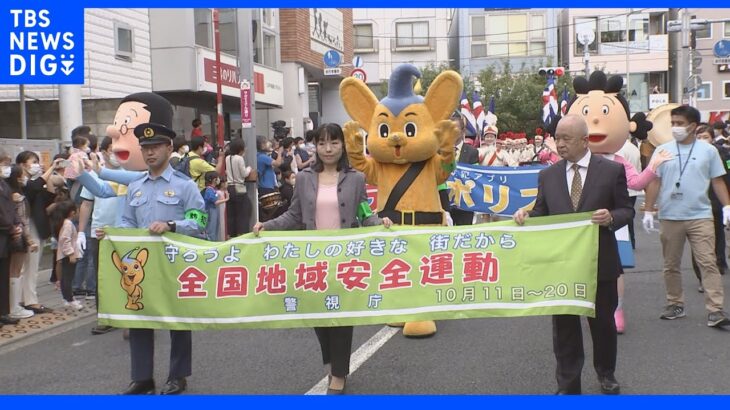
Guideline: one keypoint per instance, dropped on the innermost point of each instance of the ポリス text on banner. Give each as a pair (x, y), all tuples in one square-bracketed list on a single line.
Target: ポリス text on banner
[(349, 277), (493, 190)]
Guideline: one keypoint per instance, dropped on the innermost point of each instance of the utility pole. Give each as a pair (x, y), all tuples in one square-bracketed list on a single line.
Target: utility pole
[(218, 80), (23, 116), (69, 104), (245, 72)]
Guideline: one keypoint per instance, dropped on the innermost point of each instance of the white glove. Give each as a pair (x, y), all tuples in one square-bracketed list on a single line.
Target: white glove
[(81, 241), (449, 220), (726, 215), (648, 222)]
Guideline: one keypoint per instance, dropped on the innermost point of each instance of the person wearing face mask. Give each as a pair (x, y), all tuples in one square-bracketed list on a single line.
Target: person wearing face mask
[(10, 230), (20, 247), (685, 213), (39, 194), (706, 133), (301, 154)]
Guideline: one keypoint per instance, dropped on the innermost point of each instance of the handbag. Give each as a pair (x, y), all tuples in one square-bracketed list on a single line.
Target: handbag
[(19, 244)]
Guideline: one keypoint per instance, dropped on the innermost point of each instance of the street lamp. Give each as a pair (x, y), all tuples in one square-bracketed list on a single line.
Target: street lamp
[(586, 37)]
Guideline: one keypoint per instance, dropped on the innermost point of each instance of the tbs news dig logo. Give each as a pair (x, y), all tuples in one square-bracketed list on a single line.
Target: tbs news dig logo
[(44, 47)]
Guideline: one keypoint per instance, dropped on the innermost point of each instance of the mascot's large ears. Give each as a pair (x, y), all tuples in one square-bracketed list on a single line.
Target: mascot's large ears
[(359, 101), (443, 95), (640, 126)]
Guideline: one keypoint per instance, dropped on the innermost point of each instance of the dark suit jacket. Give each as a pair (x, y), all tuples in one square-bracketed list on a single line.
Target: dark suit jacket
[(604, 187), (468, 155)]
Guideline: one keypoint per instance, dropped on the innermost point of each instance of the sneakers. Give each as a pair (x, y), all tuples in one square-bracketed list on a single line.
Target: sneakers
[(75, 305), (19, 313), (700, 289), (79, 292), (618, 317), (672, 312), (90, 295), (717, 319)]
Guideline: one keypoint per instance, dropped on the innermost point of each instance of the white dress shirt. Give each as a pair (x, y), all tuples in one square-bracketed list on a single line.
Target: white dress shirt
[(583, 164)]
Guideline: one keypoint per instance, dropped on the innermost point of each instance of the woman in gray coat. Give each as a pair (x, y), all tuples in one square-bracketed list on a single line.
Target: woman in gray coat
[(327, 196)]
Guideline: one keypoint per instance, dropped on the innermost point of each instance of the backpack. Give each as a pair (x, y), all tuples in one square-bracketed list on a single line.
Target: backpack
[(183, 165)]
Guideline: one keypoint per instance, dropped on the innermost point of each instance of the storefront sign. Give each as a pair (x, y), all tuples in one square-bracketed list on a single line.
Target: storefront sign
[(326, 30), (267, 83)]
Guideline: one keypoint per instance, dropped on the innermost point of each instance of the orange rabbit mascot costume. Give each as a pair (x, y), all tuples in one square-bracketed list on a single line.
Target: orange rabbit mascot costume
[(411, 146)]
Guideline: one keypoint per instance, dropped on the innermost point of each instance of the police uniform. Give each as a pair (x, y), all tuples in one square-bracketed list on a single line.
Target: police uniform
[(166, 198)]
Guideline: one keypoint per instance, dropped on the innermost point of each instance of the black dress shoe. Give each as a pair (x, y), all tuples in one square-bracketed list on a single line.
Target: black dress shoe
[(5, 319), (609, 385), (101, 329), (562, 392), (143, 387), (175, 386)]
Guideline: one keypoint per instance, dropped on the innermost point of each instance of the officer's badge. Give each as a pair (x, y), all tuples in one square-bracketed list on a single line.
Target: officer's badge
[(149, 132), (169, 194), (138, 194)]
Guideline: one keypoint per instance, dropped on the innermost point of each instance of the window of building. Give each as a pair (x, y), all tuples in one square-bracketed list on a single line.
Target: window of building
[(411, 34), (268, 17), (265, 48), (726, 90), (123, 41), (363, 34), (203, 27), (269, 50), (227, 28), (704, 91), (615, 34), (508, 35), (726, 30), (478, 50)]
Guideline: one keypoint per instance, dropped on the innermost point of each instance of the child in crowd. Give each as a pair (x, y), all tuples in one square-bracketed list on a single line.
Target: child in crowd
[(68, 251), (288, 179), (210, 196), (222, 194)]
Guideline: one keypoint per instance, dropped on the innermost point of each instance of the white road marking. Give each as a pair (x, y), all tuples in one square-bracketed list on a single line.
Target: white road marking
[(77, 344), (362, 354)]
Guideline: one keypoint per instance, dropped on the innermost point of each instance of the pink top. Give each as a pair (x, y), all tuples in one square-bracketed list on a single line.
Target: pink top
[(76, 154), (548, 157), (67, 241), (327, 214), (634, 180)]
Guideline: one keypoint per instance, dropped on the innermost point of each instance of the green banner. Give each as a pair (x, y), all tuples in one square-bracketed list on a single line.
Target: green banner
[(349, 277)]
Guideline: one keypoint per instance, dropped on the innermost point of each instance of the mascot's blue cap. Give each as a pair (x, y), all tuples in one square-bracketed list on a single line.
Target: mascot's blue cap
[(400, 89), (127, 258)]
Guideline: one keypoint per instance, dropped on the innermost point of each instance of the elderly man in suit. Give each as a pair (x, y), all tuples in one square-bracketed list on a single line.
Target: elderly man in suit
[(582, 182)]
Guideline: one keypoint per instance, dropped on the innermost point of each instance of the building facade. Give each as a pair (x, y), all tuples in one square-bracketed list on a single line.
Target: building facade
[(620, 41), (481, 38), (713, 93), (386, 38), (117, 63), (184, 65), (312, 96)]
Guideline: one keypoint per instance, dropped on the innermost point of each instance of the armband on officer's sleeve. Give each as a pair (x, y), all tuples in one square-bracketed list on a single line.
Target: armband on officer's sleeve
[(364, 211), (449, 167), (200, 217)]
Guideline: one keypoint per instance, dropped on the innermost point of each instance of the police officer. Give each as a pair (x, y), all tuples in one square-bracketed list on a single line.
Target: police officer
[(164, 200)]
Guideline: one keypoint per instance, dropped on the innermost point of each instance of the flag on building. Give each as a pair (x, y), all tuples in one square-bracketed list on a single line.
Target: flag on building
[(564, 101), (471, 126), (549, 101), (478, 112)]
